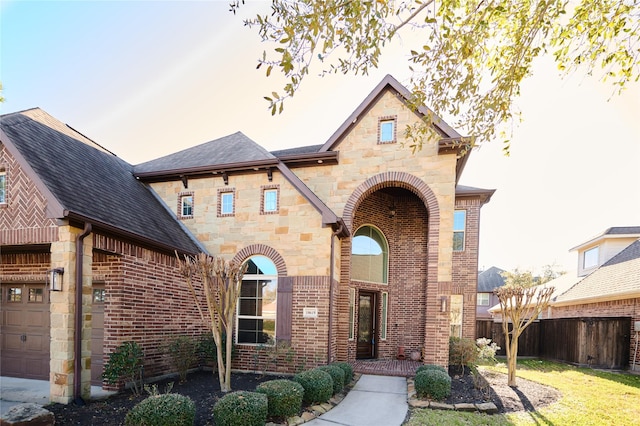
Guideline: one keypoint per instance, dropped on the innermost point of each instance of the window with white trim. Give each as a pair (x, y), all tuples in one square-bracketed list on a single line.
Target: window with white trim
[(383, 316), (3, 186), (269, 199), (483, 299), (186, 205), (387, 129), (591, 257), (256, 319), (226, 202), (352, 312), (459, 226), (456, 315)]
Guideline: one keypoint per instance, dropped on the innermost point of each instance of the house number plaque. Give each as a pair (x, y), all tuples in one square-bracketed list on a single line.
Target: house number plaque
[(309, 312)]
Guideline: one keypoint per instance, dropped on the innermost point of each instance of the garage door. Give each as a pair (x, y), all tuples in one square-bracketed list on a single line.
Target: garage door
[(25, 331)]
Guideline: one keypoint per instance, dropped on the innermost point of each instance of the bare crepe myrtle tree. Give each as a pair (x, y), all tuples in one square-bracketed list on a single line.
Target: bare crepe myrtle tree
[(521, 302), (221, 281)]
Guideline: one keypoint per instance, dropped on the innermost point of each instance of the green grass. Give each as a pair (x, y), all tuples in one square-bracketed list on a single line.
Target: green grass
[(589, 397)]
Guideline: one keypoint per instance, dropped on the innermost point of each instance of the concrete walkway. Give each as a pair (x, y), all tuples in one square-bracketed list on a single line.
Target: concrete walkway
[(373, 401), (14, 391)]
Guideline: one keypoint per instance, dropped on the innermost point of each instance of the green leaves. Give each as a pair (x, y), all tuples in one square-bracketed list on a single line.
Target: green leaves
[(470, 58)]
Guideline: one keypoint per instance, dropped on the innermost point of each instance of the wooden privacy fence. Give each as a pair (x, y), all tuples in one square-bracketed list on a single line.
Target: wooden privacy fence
[(596, 342)]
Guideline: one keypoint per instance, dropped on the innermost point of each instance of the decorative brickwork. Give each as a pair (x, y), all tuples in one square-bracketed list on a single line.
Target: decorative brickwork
[(24, 218), (264, 250)]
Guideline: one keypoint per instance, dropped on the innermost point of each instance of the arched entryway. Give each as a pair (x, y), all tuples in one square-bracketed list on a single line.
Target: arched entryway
[(387, 304)]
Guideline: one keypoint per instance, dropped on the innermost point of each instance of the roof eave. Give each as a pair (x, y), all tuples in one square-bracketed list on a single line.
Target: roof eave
[(630, 294), (311, 159), (99, 225), (206, 170)]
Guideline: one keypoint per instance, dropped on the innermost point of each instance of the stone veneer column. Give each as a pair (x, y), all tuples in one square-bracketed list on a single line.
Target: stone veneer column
[(61, 368)]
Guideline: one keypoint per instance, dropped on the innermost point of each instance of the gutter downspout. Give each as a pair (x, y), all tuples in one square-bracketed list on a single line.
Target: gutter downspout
[(330, 336), (77, 367)]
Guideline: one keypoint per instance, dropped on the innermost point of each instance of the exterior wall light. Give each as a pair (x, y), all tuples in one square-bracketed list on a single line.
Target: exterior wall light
[(443, 304), (55, 279)]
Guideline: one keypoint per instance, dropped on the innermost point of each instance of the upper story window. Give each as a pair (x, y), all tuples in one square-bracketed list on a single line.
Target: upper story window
[(459, 226), (591, 258), (369, 255), (226, 202), (186, 205), (387, 129), (483, 299), (3, 186), (256, 319), (269, 199)]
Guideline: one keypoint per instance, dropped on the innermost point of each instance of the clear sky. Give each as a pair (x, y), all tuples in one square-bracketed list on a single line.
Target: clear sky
[(148, 78)]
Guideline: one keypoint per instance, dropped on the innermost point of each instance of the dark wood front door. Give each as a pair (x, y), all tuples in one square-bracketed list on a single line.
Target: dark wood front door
[(366, 326)]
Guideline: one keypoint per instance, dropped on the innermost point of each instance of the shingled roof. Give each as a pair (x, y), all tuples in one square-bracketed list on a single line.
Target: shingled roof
[(618, 278), (83, 181), (490, 279), (234, 149)]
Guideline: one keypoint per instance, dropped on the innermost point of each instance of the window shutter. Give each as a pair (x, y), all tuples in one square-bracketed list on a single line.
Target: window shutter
[(285, 308)]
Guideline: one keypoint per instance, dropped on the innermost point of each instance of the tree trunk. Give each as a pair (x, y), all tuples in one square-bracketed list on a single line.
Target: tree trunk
[(228, 362), (512, 362)]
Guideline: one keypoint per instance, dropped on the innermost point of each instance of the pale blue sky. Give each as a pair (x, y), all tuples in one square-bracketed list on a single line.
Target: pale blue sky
[(148, 78)]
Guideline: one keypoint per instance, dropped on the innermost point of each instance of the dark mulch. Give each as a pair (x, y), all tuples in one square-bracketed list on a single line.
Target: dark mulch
[(203, 388), (528, 396)]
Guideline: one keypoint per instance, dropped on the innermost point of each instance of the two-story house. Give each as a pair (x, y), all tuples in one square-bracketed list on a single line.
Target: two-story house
[(356, 247)]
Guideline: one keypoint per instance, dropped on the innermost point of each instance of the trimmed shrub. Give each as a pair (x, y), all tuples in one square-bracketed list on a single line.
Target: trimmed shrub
[(348, 371), (317, 384), (434, 384), (426, 367), (170, 409), (337, 375), (284, 396), (125, 363), (241, 409)]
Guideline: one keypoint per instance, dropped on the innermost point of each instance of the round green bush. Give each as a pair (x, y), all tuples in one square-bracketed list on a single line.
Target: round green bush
[(433, 384), (337, 375), (431, 367), (241, 409), (348, 371), (317, 384), (163, 410), (284, 396)]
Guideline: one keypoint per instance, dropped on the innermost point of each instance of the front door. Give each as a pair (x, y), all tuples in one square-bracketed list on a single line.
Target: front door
[(366, 326)]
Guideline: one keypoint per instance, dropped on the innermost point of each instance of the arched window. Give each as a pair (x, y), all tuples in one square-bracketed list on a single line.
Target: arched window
[(369, 255), (256, 323)]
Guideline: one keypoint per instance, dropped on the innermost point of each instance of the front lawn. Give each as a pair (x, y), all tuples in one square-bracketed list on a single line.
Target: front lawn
[(589, 397)]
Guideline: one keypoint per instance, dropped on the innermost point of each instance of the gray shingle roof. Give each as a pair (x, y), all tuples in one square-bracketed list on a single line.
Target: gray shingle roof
[(620, 275), (622, 230), (490, 279), (90, 182), (231, 149), (296, 151)]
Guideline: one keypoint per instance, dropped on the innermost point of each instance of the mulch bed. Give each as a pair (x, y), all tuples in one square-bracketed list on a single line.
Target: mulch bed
[(203, 388)]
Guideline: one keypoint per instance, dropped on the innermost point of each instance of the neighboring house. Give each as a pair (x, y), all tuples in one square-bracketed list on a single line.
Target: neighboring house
[(606, 283), (488, 280), (355, 247), (612, 290), (601, 248)]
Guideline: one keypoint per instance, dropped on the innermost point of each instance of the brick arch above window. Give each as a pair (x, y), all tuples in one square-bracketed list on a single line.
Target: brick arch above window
[(397, 180), (264, 250)]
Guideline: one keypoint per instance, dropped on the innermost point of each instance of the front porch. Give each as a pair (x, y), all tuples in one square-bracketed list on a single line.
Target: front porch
[(386, 367)]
